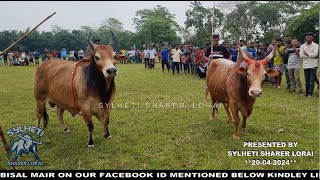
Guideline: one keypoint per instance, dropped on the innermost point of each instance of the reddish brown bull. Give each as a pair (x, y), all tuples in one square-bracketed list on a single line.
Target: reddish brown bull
[(78, 87), (237, 87)]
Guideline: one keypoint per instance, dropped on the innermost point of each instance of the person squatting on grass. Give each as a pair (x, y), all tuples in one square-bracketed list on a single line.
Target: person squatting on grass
[(309, 54)]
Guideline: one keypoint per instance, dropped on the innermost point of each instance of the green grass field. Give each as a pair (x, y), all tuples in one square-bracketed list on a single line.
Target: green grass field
[(160, 138)]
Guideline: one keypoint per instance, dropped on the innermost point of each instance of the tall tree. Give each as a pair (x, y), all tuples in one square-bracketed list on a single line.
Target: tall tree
[(155, 26), (200, 18), (112, 24), (307, 21), (274, 16), (241, 22), (157, 12), (156, 30)]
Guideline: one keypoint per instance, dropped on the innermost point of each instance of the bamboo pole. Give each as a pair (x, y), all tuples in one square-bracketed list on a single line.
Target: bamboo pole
[(212, 27), (6, 146), (24, 36)]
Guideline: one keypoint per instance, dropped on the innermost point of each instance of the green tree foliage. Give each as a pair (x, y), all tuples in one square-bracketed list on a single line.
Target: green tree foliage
[(157, 12), (112, 24), (262, 21), (155, 26), (200, 18), (248, 20), (308, 21), (241, 22)]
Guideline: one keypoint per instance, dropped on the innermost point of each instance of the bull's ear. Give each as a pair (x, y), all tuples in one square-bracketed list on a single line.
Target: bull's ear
[(120, 57), (241, 70), (83, 62), (272, 73)]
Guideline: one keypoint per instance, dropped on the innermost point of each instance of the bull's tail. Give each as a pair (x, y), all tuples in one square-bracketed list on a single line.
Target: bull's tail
[(45, 118), (206, 92)]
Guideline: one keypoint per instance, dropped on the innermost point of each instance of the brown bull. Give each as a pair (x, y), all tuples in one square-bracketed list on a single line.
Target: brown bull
[(78, 87), (237, 87)]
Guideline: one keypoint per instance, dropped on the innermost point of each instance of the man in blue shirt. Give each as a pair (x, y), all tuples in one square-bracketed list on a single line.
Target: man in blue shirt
[(234, 52), (36, 56), (63, 53), (165, 59), (251, 50)]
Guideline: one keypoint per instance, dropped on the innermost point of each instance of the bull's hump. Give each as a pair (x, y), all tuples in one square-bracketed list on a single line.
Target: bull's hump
[(223, 62)]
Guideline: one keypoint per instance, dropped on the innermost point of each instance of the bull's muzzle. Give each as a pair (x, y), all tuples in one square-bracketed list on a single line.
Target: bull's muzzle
[(112, 71), (255, 93)]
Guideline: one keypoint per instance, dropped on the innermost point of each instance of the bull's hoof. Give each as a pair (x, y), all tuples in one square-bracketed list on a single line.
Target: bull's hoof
[(107, 137), (90, 145), (66, 130), (236, 137), (212, 118)]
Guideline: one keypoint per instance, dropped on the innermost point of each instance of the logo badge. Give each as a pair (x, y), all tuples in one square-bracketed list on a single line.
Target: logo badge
[(23, 143)]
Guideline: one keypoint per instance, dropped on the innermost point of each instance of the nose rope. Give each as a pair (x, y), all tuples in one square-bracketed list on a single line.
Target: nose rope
[(225, 77), (225, 85), (72, 88)]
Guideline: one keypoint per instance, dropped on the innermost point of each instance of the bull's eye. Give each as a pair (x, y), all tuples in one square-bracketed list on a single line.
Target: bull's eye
[(96, 58)]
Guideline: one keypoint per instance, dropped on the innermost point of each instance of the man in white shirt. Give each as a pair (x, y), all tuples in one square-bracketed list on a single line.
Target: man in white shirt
[(176, 55), (81, 53), (146, 58), (309, 54), (152, 54), (71, 55)]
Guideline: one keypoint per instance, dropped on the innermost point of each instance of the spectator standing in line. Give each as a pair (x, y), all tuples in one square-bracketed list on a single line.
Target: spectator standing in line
[(309, 54), (63, 53), (293, 50)]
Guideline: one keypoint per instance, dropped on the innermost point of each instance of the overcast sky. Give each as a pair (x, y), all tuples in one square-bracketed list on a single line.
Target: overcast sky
[(72, 14)]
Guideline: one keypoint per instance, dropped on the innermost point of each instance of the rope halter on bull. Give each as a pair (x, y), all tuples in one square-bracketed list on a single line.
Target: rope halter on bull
[(74, 74), (72, 89)]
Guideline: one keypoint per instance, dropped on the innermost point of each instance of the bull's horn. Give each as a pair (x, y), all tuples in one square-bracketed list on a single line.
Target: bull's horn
[(19, 135), (36, 142), (270, 56), (90, 41), (245, 57), (112, 41)]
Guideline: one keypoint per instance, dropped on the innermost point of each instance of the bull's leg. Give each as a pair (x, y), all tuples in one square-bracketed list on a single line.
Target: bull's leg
[(106, 128), (104, 120), (206, 92), (60, 112), (34, 152), (226, 107), (15, 156), (214, 115), (88, 120), (244, 122), (236, 121), (41, 108)]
